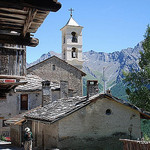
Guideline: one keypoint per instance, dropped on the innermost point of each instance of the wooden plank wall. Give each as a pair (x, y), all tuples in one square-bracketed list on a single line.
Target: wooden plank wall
[(135, 145), (12, 61)]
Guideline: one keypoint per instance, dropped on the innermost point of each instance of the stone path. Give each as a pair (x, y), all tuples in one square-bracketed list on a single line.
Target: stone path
[(7, 146)]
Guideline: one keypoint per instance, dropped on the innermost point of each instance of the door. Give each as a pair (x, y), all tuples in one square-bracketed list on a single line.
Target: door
[(24, 101)]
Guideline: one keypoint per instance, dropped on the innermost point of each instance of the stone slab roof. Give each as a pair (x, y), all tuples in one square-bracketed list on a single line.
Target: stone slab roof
[(34, 83), (57, 109), (18, 119), (62, 108)]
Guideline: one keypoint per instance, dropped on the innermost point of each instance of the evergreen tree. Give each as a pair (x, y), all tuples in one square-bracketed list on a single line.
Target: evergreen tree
[(139, 82)]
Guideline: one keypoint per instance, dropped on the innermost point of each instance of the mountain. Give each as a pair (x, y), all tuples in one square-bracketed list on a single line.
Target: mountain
[(43, 57), (106, 67), (110, 66)]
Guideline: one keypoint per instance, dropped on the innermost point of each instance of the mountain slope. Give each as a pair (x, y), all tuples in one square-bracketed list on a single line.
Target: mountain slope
[(109, 66)]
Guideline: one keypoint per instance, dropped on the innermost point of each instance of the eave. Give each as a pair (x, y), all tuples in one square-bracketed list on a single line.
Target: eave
[(22, 17)]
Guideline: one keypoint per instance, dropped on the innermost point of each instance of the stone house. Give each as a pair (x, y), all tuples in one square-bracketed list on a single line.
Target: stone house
[(25, 97), (81, 123), (55, 69)]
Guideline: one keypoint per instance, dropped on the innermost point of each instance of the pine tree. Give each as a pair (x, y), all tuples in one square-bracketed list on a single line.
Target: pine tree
[(139, 82)]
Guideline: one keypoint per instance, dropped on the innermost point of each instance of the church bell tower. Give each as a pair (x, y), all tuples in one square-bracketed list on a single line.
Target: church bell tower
[(72, 43)]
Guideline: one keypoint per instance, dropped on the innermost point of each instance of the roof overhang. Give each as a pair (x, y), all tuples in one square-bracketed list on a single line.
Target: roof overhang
[(6, 84), (19, 18)]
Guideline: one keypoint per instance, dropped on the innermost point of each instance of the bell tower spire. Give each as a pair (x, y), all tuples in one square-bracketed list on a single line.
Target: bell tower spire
[(72, 42)]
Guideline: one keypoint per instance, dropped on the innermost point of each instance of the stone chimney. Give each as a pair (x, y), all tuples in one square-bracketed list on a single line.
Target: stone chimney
[(64, 89), (46, 92), (92, 88)]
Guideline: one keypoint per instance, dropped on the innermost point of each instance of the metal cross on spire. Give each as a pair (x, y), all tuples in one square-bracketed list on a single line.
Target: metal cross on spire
[(71, 10)]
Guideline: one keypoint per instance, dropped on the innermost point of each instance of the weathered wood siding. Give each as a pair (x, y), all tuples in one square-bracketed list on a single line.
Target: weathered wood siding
[(12, 61)]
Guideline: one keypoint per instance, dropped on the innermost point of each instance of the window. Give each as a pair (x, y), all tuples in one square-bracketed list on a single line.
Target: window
[(24, 101), (74, 53), (74, 37), (108, 112), (54, 67)]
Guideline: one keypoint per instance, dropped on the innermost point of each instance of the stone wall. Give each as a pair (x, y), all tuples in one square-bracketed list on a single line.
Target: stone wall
[(8, 108), (99, 126), (63, 71)]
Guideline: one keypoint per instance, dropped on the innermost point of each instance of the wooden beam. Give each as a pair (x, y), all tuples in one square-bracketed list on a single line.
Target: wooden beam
[(13, 16), (18, 40), (5, 20), (11, 77), (29, 19), (50, 5), (16, 11), (10, 28)]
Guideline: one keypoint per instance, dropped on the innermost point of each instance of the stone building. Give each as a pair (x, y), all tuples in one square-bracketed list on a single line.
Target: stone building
[(77, 123), (55, 69), (25, 97)]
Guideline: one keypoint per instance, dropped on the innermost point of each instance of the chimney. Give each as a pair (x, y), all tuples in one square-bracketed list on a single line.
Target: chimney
[(63, 89), (92, 88), (46, 92)]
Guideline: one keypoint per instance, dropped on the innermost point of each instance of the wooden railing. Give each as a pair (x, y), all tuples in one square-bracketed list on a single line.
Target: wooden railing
[(135, 144)]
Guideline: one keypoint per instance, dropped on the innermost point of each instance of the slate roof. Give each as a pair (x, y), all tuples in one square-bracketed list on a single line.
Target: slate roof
[(57, 109), (34, 83), (61, 108), (18, 119)]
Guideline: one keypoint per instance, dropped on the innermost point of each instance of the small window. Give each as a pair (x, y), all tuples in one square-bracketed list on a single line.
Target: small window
[(74, 53), (24, 102), (108, 112), (54, 67)]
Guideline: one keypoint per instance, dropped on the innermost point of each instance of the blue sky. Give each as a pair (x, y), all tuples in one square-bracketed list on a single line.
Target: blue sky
[(109, 25)]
